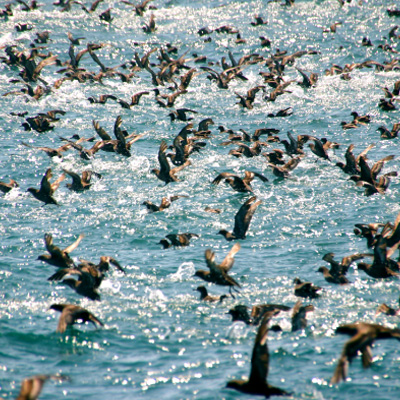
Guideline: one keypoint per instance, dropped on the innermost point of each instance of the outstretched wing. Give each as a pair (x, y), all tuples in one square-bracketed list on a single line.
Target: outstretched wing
[(229, 260), (244, 216)]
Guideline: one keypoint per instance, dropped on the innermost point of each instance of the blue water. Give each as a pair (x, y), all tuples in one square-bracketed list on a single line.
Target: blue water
[(159, 340)]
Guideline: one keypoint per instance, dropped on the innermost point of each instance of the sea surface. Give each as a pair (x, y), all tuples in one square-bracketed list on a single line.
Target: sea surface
[(159, 339)]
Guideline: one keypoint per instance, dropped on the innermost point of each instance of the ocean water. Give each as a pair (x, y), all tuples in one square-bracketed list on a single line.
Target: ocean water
[(159, 340)]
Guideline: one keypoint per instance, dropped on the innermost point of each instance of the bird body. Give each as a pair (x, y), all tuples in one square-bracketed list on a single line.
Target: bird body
[(257, 383), (70, 314), (218, 273), (58, 257), (242, 220), (363, 336), (47, 189)]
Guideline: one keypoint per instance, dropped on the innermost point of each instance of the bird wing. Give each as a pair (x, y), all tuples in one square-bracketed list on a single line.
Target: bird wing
[(66, 318), (359, 342), (45, 185), (101, 131), (346, 261), (76, 179), (377, 167), (74, 245), (53, 250), (260, 356), (31, 387), (61, 273), (292, 164), (180, 167), (328, 257), (162, 159), (244, 216), (47, 61), (80, 313), (116, 264), (366, 174), (118, 132), (364, 153), (86, 176), (56, 184), (229, 260), (257, 175), (210, 261), (394, 236)]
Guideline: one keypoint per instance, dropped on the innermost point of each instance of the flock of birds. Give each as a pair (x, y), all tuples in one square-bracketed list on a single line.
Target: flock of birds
[(171, 76)]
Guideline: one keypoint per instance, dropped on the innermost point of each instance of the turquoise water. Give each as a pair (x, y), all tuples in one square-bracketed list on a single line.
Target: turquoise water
[(159, 340)]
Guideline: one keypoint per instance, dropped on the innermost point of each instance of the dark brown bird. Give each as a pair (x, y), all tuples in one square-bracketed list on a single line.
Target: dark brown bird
[(165, 203), (241, 185), (258, 311), (248, 100), (180, 114), (295, 145), (71, 314), (74, 41), (151, 26), (80, 183), (85, 154), (257, 383), (379, 186), (102, 99), (283, 172), (85, 285), (318, 148), (242, 220), (218, 273), (106, 16), (136, 98), (384, 247), (177, 239), (139, 8), (225, 76), (305, 289), (50, 151), (332, 28), (329, 277), (308, 81), (285, 112), (363, 336), (47, 189), (368, 231), (340, 269), (165, 173), (204, 296), (38, 123), (351, 167), (360, 119), (386, 105), (240, 313), (393, 13), (96, 271), (366, 42), (31, 387), (385, 309), (275, 157), (258, 20), (265, 42), (7, 187), (58, 257), (212, 210), (299, 314), (386, 134), (247, 151)]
